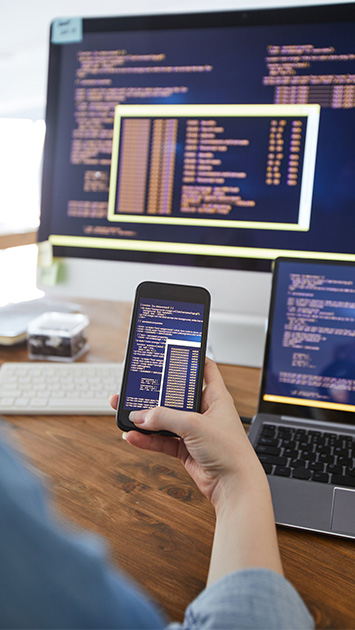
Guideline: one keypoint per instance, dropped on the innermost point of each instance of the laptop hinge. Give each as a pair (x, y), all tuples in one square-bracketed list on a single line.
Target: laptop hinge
[(318, 424)]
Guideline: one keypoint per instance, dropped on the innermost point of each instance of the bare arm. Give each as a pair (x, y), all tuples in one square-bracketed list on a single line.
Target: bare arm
[(245, 533), (220, 459)]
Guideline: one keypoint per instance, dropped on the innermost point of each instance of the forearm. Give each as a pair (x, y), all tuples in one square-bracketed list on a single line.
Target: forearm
[(246, 587), (245, 533)]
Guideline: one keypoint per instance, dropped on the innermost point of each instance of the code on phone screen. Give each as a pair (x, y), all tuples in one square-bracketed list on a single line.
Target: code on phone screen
[(165, 355)]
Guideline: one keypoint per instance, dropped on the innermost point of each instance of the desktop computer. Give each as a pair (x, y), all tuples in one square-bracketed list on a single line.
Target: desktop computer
[(197, 148)]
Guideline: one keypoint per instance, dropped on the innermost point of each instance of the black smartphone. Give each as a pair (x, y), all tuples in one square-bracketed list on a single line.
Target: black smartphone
[(166, 349)]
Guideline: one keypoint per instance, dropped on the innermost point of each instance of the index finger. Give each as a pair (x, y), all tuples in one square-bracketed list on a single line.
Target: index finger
[(213, 378), (215, 388), (212, 374), (114, 401)]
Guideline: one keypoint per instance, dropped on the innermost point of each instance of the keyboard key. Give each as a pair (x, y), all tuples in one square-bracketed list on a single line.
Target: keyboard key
[(282, 471), (341, 452), (288, 443), (324, 449), (316, 466), (268, 429), (284, 433), (272, 459), (38, 402), (339, 442), (270, 450), (334, 469), (342, 480), (22, 402), (304, 445), (289, 452), (4, 402), (297, 463), (266, 432), (301, 473), (268, 441), (326, 459), (7, 392), (320, 476), (318, 441)]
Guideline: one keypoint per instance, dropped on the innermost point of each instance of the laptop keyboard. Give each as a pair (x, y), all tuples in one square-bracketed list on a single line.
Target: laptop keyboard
[(307, 454)]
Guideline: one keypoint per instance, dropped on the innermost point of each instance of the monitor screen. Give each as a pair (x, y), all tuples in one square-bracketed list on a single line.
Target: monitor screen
[(211, 140)]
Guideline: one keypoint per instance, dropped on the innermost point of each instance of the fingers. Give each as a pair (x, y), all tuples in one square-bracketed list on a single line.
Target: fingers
[(215, 389), (157, 443), (114, 401), (213, 379), (212, 373), (165, 419)]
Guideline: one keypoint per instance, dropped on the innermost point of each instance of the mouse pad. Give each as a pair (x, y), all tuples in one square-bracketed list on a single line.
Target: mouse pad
[(343, 514)]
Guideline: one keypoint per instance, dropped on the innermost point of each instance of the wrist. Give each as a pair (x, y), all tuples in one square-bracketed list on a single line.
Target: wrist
[(231, 489)]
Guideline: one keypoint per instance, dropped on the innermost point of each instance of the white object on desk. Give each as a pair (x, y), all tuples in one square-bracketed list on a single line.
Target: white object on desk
[(15, 318), (237, 339), (58, 389)]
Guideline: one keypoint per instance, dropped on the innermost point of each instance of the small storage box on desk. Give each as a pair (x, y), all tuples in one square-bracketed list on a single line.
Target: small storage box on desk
[(57, 337)]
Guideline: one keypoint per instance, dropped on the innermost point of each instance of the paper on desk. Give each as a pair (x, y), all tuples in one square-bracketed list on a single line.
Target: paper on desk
[(14, 318)]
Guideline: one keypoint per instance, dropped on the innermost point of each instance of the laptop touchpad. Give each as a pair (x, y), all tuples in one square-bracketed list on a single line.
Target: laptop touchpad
[(343, 513)]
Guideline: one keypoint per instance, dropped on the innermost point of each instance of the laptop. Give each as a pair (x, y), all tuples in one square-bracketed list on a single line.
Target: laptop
[(304, 430)]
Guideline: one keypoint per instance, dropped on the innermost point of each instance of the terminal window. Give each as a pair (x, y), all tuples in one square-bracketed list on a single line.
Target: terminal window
[(311, 359), (229, 169)]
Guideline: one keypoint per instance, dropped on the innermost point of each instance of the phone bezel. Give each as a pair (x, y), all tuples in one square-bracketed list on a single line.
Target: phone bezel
[(164, 291)]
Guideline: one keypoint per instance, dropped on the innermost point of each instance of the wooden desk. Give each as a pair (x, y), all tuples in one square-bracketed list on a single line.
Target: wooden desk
[(159, 526), (15, 237)]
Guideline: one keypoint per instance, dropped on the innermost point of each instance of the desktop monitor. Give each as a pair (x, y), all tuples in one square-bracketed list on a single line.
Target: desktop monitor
[(196, 148)]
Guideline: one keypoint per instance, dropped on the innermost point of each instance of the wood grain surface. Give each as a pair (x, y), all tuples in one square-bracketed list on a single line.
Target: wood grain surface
[(158, 526)]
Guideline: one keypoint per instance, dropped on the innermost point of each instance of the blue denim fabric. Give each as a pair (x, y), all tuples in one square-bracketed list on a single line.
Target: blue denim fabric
[(253, 599), (51, 577)]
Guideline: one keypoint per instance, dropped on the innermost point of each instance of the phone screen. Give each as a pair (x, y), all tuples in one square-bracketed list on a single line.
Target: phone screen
[(167, 346)]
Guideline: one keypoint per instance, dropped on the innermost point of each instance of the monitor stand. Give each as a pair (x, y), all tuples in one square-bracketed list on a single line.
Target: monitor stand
[(237, 339)]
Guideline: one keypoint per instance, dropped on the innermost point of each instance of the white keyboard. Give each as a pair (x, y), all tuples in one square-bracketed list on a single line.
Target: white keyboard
[(58, 388)]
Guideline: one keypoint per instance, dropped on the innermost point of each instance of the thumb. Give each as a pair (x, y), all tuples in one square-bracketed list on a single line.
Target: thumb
[(165, 419)]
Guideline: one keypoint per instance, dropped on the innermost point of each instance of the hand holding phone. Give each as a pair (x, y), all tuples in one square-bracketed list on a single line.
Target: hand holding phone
[(166, 349)]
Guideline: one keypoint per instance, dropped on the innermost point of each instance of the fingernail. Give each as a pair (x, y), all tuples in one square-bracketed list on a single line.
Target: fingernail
[(124, 436)]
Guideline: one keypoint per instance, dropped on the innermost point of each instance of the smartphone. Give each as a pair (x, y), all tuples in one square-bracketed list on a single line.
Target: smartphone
[(166, 349)]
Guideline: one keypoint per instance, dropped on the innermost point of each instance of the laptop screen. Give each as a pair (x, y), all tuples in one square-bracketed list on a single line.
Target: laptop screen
[(309, 364)]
